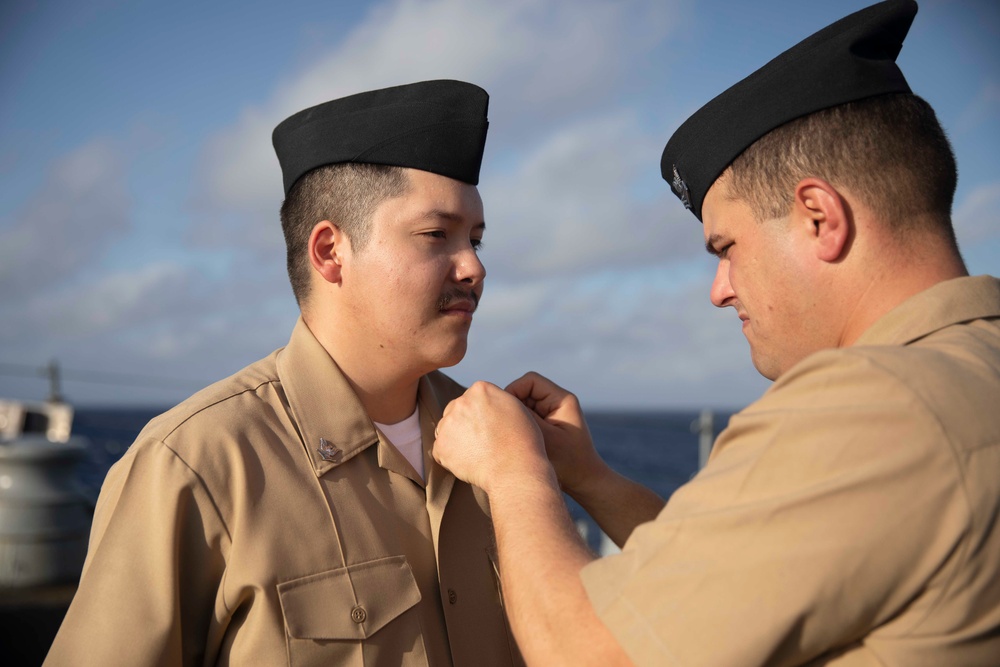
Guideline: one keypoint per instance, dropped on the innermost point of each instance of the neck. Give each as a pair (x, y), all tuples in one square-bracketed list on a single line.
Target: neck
[(387, 391), (899, 280), (388, 403)]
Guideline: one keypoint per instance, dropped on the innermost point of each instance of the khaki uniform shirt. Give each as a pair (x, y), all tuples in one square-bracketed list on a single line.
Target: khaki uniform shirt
[(849, 517), (265, 521)]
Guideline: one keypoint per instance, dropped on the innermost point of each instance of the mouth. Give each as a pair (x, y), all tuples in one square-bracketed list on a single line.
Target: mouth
[(459, 302)]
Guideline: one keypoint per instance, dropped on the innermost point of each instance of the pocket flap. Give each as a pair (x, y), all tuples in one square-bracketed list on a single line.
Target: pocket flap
[(351, 602)]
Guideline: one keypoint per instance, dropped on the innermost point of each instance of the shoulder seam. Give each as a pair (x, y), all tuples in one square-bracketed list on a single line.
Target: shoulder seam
[(212, 404)]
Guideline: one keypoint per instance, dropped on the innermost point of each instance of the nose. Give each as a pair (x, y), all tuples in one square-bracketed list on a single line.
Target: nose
[(469, 268), (722, 292)]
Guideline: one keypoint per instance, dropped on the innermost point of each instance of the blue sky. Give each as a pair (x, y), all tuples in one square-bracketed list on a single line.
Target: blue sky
[(139, 191)]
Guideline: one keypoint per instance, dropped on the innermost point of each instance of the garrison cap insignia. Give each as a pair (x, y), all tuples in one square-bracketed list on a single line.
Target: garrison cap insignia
[(328, 452), (681, 188)]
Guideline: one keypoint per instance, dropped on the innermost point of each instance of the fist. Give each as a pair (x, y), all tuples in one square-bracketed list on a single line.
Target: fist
[(487, 437)]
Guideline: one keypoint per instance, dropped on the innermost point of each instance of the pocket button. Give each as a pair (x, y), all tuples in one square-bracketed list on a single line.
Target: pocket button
[(358, 614)]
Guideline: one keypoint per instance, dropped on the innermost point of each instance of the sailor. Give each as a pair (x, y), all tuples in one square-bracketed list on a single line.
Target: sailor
[(848, 516), (292, 513)]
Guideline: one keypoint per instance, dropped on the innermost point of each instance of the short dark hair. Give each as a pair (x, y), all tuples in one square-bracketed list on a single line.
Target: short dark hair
[(889, 150), (346, 194)]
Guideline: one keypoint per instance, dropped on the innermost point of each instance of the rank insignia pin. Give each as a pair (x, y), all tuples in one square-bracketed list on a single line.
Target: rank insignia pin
[(328, 452)]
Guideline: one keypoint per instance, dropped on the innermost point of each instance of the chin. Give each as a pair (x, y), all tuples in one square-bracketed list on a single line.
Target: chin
[(451, 356), (766, 367)]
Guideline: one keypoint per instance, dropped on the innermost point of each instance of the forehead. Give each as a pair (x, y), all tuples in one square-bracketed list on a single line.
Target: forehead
[(715, 207), (727, 219), (429, 193)]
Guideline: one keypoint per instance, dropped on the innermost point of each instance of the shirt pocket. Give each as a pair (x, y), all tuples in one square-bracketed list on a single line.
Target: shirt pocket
[(361, 615)]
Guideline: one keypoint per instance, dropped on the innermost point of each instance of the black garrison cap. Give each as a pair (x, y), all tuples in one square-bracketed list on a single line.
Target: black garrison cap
[(436, 126), (850, 60)]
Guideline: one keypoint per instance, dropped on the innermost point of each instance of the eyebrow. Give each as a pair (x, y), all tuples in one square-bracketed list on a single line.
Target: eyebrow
[(449, 216), (712, 242)]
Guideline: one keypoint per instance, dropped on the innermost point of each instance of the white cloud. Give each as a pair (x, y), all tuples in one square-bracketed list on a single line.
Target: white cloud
[(115, 301), (163, 320), (509, 306), (975, 217), (982, 110), (542, 62), (64, 227), (642, 338), (580, 224), (104, 307), (577, 204)]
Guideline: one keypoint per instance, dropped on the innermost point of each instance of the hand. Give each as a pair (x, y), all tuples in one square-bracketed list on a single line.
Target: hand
[(487, 437), (568, 443)]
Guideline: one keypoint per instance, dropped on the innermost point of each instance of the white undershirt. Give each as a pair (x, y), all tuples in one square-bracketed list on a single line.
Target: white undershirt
[(405, 436)]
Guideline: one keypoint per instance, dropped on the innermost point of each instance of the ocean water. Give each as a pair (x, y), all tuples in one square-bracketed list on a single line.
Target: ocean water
[(109, 432), (656, 448)]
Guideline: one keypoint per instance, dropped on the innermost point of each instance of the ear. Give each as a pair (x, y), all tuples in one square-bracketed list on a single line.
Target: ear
[(820, 207), (327, 248)]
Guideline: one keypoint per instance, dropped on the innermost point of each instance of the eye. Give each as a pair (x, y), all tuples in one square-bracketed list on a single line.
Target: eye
[(436, 233), (477, 244)]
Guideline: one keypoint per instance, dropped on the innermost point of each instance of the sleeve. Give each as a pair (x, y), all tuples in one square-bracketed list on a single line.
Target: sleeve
[(825, 509), (151, 582)]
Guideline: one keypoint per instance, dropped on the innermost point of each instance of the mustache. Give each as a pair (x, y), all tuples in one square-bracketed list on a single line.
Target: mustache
[(454, 294)]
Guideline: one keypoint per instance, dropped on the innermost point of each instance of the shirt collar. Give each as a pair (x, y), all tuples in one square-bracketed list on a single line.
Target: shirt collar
[(946, 303), (330, 418)]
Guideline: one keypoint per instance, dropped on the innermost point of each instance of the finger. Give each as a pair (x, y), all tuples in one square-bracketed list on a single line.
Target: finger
[(524, 386), (543, 395), (537, 392)]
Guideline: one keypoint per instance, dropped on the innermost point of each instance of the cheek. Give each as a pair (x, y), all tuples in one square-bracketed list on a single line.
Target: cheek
[(772, 279), (393, 273), (414, 289)]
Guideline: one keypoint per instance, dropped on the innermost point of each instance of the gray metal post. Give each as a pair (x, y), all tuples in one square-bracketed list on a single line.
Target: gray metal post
[(55, 391), (706, 436)]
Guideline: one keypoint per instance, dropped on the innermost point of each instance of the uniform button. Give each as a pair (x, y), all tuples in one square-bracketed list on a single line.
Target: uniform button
[(452, 596), (358, 614)]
